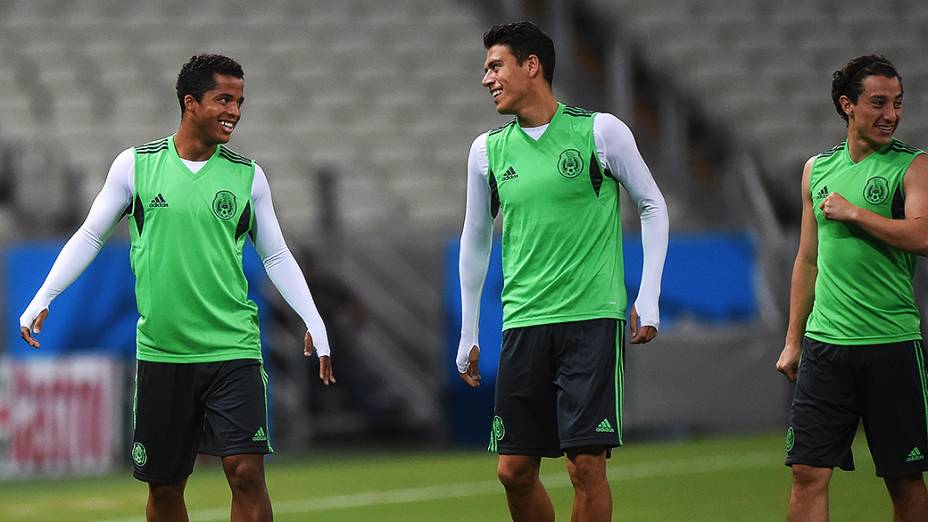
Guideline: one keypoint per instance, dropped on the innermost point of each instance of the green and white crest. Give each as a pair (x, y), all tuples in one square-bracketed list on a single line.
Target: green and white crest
[(224, 205), (790, 438), (569, 164), (499, 429), (876, 190), (139, 455)]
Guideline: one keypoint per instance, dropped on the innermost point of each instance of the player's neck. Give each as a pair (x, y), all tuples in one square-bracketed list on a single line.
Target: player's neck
[(190, 146), (539, 111), (858, 148)]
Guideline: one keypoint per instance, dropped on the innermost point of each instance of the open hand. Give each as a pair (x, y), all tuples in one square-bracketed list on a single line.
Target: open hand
[(26, 334), (325, 362)]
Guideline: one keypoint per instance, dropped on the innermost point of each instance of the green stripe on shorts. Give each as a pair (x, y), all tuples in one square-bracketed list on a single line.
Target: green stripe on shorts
[(267, 423), (135, 396), (619, 376), (923, 377)]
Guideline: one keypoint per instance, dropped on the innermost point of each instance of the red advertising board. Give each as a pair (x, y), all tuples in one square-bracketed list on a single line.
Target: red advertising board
[(60, 416)]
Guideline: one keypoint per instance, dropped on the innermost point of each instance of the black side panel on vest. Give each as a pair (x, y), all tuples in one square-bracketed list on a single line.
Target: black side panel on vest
[(494, 196), (244, 221), (138, 212), (898, 205), (596, 176)]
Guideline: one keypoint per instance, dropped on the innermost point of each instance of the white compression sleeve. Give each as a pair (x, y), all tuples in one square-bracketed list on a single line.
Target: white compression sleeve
[(281, 267), (476, 242), (616, 148), (82, 248)]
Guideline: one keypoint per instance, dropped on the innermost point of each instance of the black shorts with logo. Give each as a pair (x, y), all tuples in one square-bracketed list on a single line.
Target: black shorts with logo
[(181, 409), (559, 387), (885, 385)]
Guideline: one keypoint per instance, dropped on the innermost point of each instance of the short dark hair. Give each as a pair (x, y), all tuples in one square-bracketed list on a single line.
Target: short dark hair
[(848, 81), (524, 39), (198, 75)]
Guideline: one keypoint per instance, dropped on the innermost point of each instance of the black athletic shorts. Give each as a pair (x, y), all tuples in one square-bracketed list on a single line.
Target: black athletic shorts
[(559, 387), (885, 385), (180, 410)]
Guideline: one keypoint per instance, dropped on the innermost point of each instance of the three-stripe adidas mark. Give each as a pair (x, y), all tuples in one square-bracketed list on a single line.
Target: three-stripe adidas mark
[(158, 202), (914, 455), (605, 427), (510, 174), (260, 436), (822, 193)]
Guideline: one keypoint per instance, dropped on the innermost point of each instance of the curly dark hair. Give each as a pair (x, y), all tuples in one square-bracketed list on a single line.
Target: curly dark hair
[(524, 39), (848, 81), (198, 75)]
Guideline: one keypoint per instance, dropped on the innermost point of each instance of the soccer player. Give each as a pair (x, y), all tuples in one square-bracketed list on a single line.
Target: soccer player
[(852, 317), (200, 383), (554, 172)]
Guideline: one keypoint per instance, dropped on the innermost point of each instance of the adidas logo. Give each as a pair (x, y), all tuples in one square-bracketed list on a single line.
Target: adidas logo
[(914, 455), (605, 427), (822, 193), (158, 202), (510, 174), (260, 436)]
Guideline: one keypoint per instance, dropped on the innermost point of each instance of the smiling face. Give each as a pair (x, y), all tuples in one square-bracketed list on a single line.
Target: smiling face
[(878, 111), (215, 116), (506, 79)]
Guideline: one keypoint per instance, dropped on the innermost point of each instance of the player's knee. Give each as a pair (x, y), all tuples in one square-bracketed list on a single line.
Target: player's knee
[(516, 475), (166, 493), (809, 477), (586, 471), (245, 476)]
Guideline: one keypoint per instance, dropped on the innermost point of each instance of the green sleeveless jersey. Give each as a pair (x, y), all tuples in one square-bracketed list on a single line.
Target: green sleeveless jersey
[(562, 248), (187, 231), (863, 291)]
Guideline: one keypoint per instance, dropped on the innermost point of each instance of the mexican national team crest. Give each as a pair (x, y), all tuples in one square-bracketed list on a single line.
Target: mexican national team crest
[(139, 455), (569, 164), (224, 204), (876, 190), (499, 430)]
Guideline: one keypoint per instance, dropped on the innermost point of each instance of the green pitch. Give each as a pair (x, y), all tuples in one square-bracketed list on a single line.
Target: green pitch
[(714, 479)]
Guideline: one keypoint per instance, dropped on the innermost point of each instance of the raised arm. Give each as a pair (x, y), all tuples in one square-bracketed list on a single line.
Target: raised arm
[(802, 286), (107, 209), (476, 242), (911, 232), (285, 274), (616, 148)]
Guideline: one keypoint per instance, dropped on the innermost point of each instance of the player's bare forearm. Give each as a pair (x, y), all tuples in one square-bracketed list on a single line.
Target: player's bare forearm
[(801, 297), (910, 235)]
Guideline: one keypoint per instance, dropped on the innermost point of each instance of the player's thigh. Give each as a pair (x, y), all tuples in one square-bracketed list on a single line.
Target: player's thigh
[(524, 421), (825, 410), (236, 415), (895, 407), (167, 420), (590, 382)]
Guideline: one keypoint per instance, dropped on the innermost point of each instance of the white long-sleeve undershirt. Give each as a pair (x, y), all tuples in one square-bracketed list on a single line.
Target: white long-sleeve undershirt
[(108, 209), (616, 148)]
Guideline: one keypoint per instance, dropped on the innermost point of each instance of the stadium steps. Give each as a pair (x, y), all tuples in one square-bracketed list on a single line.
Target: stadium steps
[(318, 75), (713, 47)]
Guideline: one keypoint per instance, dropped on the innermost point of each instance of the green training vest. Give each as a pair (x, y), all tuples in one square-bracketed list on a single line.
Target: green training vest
[(187, 232), (863, 291), (562, 234)]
